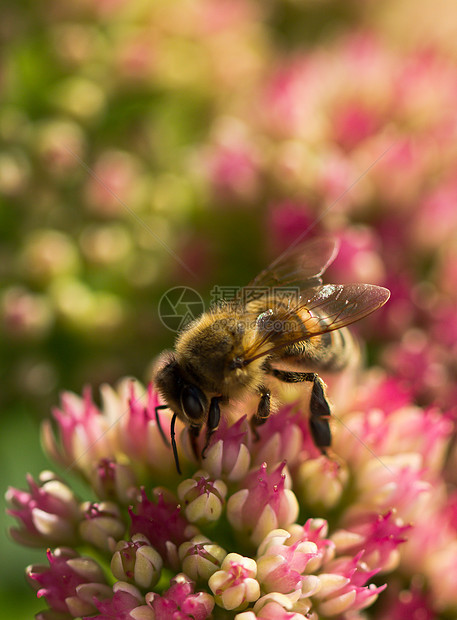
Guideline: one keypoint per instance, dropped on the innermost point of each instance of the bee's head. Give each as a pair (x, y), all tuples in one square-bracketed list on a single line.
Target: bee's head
[(183, 397)]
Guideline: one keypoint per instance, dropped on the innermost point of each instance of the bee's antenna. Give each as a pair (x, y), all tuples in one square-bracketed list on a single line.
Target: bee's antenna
[(159, 426), (173, 442)]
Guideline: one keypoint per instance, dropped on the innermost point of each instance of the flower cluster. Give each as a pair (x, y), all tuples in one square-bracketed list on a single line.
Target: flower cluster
[(259, 528)]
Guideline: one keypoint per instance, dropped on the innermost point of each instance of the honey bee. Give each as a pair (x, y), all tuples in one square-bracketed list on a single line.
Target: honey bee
[(233, 350)]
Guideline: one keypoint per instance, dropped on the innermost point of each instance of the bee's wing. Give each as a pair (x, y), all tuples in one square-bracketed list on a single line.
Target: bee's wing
[(302, 264), (318, 310)]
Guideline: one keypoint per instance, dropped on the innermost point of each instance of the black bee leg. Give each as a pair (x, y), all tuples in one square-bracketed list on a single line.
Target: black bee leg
[(159, 426), (319, 407), (320, 414), (263, 412), (214, 416)]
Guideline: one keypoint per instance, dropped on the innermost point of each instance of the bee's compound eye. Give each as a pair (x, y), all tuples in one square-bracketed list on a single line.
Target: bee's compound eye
[(193, 402)]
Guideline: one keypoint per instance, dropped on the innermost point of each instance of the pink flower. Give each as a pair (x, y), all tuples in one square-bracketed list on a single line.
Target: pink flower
[(24, 315), (286, 221), (137, 432), (228, 453), (342, 587), (136, 561), (210, 17), (113, 481), (103, 522), (235, 584), (127, 603), (163, 525), (70, 583), (136, 57), (202, 497), (281, 566), (411, 603), (334, 176), (263, 504), (125, 425), (320, 482), (393, 453), (83, 432), (378, 536), (392, 482), (288, 97), (48, 513), (315, 531), (359, 258), (413, 359), (436, 220), (400, 313), (277, 606), (200, 557), (119, 173), (441, 569), (282, 434), (382, 391), (353, 122), (233, 171), (232, 163), (179, 602), (385, 423)]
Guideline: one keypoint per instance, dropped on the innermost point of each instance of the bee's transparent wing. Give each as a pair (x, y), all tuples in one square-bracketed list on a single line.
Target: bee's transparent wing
[(301, 265), (319, 310)]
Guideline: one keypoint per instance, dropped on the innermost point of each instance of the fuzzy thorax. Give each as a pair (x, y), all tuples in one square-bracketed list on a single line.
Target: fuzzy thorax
[(212, 352)]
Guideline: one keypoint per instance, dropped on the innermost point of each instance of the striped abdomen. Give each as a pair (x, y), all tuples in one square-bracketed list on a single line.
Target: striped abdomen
[(331, 351)]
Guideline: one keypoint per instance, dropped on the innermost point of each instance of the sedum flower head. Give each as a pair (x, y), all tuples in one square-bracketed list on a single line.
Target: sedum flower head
[(163, 523), (48, 513), (228, 455), (242, 534), (113, 481), (263, 504), (203, 499), (137, 561), (70, 583), (235, 585), (344, 586), (102, 523), (282, 565), (200, 557), (180, 601)]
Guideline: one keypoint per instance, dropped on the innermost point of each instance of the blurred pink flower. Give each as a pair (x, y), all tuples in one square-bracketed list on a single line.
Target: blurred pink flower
[(115, 180), (287, 221)]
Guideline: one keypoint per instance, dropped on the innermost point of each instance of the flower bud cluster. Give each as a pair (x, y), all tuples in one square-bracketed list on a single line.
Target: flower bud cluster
[(229, 538)]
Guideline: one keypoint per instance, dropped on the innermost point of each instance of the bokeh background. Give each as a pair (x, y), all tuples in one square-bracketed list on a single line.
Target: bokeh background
[(147, 144)]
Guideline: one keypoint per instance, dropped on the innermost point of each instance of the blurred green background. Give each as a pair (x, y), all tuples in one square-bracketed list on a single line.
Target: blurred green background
[(147, 144)]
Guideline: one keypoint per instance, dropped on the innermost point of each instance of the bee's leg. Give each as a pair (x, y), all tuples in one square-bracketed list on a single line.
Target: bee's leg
[(214, 416), (263, 411), (319, 407), (320, 414), (159, 426)]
